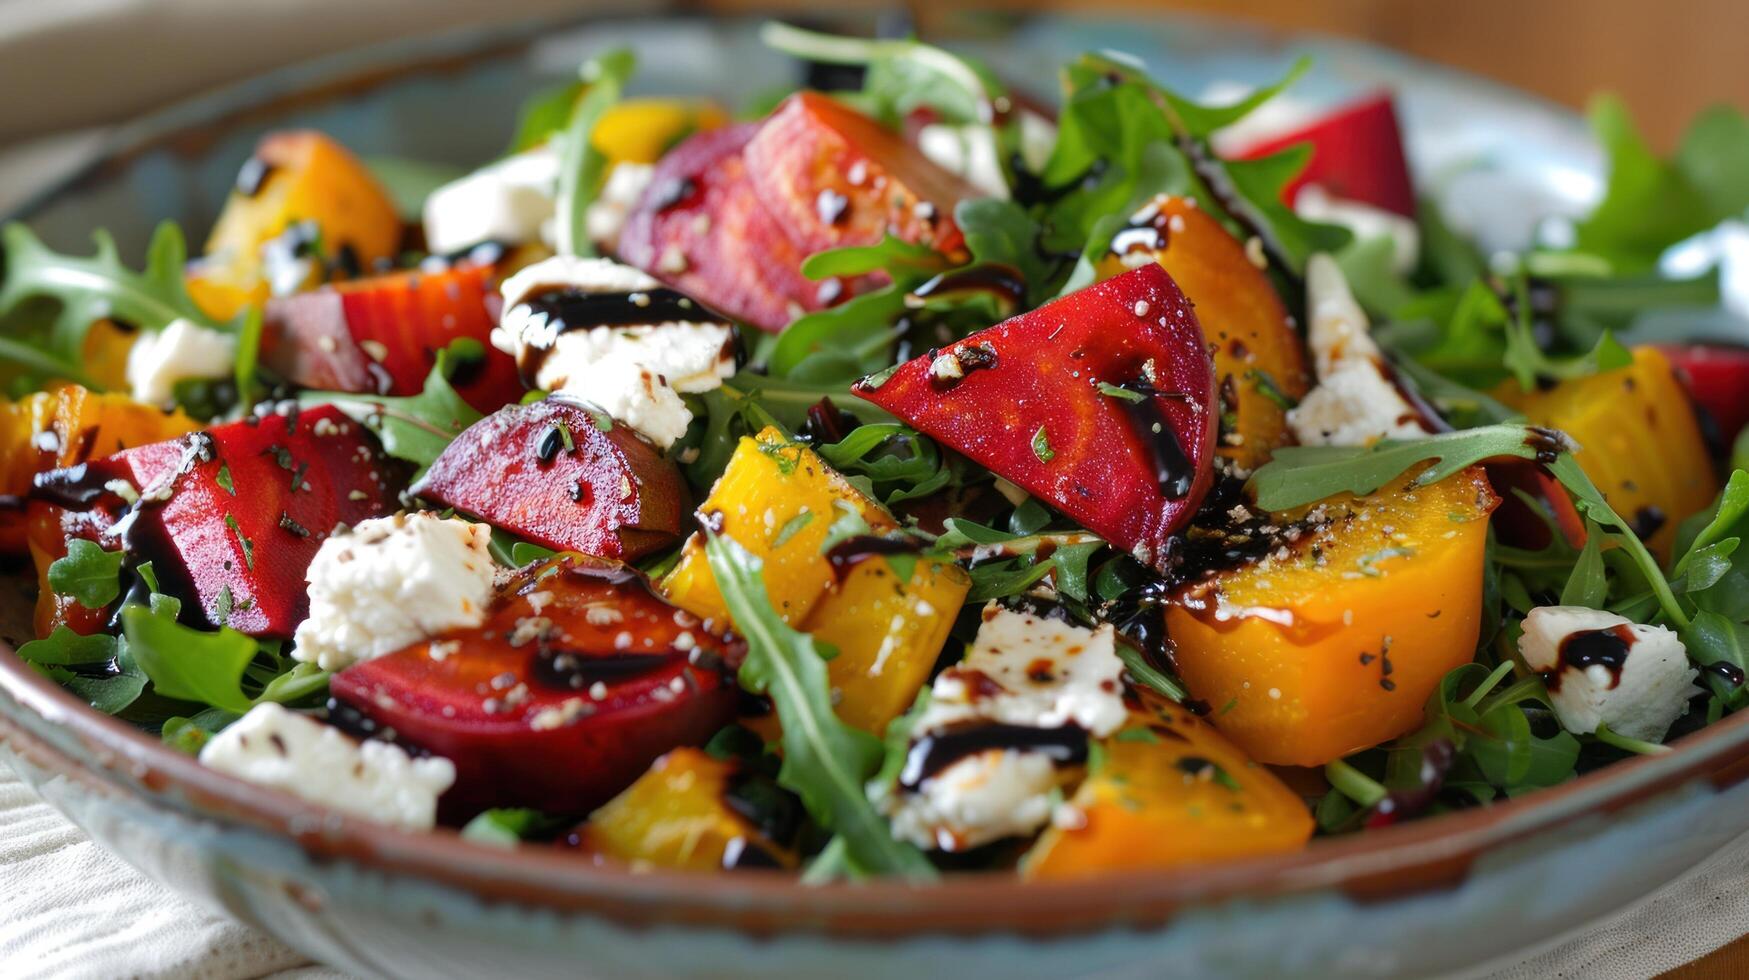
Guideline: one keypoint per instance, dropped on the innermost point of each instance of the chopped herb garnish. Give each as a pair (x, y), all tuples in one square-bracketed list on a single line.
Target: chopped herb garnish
[(1041, 446)]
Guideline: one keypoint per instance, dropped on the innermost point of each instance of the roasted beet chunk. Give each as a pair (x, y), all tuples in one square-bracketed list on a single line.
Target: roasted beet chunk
[(1101, 403), (701, 229), (565, 476), (578, 679), (381, 335), (832, 177), (230, 517)]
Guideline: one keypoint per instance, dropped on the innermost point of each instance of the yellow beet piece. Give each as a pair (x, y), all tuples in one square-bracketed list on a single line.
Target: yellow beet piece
[(296, 176), (1260, 362), (676, 816), (1336, 646), (888, 632), (1638, 441), (777, 499), (1171, 791), (641, 130)]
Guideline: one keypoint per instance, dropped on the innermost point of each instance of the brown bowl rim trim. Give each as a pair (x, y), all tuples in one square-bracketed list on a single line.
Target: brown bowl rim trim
[(1378, 865)]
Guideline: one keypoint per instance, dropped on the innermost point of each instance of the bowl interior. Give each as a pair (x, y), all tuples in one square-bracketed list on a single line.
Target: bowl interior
[(453, 101)]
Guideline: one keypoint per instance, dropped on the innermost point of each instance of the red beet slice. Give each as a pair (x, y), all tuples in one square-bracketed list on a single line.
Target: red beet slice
[(1357, 154), (833, 177), (701, 229), (579, 678), (381, 335), (231, 517), (549, 473), (1130, 462), (1717, 378)]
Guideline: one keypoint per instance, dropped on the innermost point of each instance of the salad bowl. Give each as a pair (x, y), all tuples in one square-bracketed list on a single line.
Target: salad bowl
[(1450, 895)]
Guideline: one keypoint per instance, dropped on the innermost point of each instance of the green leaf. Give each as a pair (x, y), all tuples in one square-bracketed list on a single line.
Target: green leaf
[(1650, 204), (98, 287), (416, 428), (1300, 475), (1002, 233), (1041, 446), (891, 254), (509, 827), (248, 355), (189, 664), (89, 574), (1136, 664), (903, 74), (825, 761), (65, 648), (1587, 584), (581, 166), (544, 114), (1527, 362)]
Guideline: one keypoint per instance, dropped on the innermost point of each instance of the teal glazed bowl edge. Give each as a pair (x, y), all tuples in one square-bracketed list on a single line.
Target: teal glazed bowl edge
[(1443, 896)]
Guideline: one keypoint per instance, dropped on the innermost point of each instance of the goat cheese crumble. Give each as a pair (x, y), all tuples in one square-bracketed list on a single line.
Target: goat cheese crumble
[(637, 373), (1355, 402), (510, 201), (393, 581), (276, 747), (1023, 671), (182, 351), (1602, 669)]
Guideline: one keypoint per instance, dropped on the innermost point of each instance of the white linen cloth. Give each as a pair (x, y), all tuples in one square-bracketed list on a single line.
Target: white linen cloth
[(69, 911)]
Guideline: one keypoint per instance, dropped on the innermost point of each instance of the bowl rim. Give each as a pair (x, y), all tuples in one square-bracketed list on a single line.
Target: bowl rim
[(120, 760), (1378, 865)]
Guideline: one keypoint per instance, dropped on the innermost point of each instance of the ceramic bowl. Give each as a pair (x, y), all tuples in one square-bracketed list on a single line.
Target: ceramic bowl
[(1423, 898)]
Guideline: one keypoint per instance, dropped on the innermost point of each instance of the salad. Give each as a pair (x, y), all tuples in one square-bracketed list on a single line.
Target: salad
[(904, 478)]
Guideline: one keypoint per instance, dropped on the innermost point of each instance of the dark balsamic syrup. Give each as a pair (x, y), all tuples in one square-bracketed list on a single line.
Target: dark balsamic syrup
[(934, 752)]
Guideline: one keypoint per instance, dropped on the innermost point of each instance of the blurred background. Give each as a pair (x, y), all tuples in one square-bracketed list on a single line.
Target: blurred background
[(71, 64)]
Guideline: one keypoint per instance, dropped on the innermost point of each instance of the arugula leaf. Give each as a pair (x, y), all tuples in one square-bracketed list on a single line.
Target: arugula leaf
[(1300, 475), (903, 75), (98, 287), (508, 827), (1587, 584), (1001, 232), (1245, 194), (416, 428), (88, 573), (65, 648), (581, 166), (825, 761), (189, 664), (1651, 204), (891, 254), (248, 355), (1136, 664), (544, 114), (1527, 362)]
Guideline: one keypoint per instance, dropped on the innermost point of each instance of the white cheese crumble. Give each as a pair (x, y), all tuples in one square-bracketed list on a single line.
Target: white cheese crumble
[(510, 201), (1640, 698), (969, 151), (182, 351), (276, 747), (1355, 403), (1022, 670), (1366, 222), (391, 582), (606, 215), (636, 374)]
